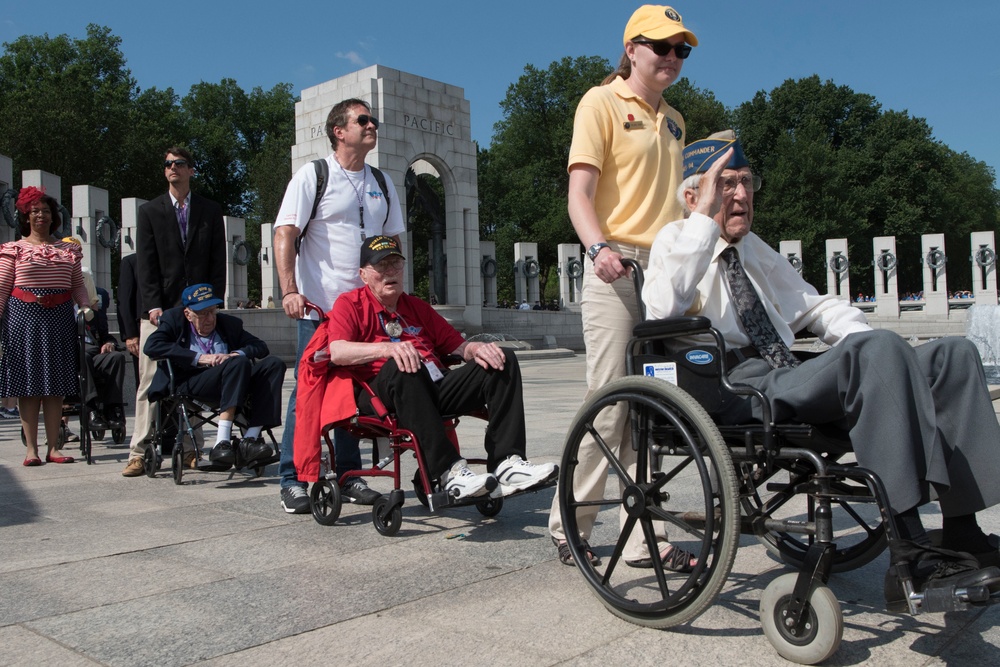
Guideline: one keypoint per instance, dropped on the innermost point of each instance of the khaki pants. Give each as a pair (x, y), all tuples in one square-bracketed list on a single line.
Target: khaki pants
[(609, 314)]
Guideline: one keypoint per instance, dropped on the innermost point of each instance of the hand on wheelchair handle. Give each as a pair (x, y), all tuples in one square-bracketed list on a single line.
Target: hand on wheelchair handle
[(294, 305), (608, 266)]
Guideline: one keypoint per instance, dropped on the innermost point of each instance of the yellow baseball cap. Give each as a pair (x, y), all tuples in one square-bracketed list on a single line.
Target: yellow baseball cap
[(656, 23)]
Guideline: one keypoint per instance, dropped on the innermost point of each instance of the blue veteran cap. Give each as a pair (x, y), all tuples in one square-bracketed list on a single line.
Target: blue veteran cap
[(199, 297), (700, 155)]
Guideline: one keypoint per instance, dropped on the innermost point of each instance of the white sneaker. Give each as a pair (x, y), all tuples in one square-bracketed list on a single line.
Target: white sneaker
[(516, 474), (460, 482)]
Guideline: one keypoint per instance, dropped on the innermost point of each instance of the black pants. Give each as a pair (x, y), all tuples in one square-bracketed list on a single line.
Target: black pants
[(229, 383), (419, 402), (107, 372)]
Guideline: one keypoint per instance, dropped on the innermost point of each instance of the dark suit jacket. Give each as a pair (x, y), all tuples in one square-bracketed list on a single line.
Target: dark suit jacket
[(172, 340), (98, 327), (129, 301), (166, 265)]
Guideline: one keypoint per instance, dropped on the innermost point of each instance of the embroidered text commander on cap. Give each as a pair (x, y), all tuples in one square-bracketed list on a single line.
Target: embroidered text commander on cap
[(700, 155), (657, 23)]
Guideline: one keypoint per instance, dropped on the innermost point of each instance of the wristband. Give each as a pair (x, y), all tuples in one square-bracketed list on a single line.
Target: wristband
[(287, 294)]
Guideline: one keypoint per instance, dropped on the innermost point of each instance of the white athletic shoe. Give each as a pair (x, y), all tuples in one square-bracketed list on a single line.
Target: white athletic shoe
[(516, 474), (460, 482)]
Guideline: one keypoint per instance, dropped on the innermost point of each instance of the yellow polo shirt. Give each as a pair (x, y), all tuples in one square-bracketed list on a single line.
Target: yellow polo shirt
[(638, 152)]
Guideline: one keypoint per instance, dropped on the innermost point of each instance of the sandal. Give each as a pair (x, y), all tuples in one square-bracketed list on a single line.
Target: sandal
[(566, 556), (674, 559)]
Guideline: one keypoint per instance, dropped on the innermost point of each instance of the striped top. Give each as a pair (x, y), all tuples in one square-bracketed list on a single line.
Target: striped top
[(48, 266)]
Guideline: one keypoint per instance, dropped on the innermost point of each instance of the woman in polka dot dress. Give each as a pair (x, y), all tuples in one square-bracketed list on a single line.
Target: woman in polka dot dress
[(40, 278)]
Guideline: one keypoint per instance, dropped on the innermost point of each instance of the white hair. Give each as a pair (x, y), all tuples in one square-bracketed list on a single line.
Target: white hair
[(689, 183)]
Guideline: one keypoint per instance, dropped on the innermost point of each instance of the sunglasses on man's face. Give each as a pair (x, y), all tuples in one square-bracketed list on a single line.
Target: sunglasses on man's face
[(664, 48), (364, 119), (167, 164)]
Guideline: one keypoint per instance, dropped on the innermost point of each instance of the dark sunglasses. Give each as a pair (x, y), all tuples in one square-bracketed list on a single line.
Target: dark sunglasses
[(167, 164), (664, 48), (364, 119)]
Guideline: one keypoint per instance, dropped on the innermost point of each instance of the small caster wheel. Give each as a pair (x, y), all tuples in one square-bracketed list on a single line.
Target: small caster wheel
[(98, 434), (177, 464), (490, 506), (818, 633), (386, 521), (151, 461), (324, 501), (118, 435)]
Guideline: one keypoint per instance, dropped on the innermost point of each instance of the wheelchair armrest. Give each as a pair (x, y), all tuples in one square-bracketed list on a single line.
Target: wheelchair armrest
[(671, 326), (377, 405)]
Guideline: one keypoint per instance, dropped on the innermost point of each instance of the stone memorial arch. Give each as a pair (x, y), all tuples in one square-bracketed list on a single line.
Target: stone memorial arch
[(426, 127)]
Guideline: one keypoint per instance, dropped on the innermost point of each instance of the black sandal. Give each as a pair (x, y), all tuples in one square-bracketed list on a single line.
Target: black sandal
[(674, 559), (566, 556)]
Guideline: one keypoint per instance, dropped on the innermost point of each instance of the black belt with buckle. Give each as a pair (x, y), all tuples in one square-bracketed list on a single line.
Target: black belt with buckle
[(737, 356)]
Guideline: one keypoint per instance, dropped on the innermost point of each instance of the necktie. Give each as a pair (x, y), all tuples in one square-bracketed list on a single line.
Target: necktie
[(182, 219), (756, 323)]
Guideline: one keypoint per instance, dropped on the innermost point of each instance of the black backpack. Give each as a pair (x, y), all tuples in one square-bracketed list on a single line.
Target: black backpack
[(322, 176)]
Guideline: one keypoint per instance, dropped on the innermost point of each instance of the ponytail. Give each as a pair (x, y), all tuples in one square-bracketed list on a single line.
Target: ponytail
[(624, 70)]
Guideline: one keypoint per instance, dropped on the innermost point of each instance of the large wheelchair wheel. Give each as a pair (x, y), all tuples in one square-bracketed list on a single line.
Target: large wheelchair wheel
[(683, 477), (818, 633), (859, 534)]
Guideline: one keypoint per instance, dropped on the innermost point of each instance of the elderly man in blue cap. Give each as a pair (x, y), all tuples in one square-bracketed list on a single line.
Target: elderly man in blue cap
[(920, 418), (215, 359)]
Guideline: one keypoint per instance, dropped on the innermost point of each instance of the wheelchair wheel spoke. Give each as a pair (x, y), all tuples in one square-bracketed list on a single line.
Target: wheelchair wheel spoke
[(672, 518), (610, 456)]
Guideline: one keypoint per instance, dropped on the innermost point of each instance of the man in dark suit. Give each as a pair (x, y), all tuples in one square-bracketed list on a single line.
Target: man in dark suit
[(215, 359), (129, 309), (180, 241), (107, 368)]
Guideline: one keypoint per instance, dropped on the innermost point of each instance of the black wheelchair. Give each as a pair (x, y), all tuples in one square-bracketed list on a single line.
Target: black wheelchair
[(710, 483), (177, 416)]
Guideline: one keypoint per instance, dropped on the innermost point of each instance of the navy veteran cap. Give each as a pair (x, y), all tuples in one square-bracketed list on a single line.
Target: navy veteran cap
[(700, 155), (199, 297), (377, 248)]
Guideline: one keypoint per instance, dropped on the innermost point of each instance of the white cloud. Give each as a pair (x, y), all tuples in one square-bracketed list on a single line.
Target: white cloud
[(353, 57)]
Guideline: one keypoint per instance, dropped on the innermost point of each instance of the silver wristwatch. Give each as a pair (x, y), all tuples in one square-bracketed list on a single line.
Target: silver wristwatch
[(593, 250)]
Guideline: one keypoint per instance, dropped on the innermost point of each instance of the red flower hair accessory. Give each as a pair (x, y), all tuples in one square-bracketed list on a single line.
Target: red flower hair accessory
[(28, 196)]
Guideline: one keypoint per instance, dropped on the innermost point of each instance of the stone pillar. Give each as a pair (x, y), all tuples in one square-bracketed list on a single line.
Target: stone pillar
[(984, 268), (838, 281), (526, 269), (130, 217), (8, 225), (238, 254), (269, 285), (792, 251), (488, 267), (96, 231), (934, 259), (570, 274), (885, 268)]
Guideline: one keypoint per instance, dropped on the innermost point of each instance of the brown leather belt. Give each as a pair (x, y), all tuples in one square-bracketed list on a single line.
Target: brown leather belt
[(45, 301)]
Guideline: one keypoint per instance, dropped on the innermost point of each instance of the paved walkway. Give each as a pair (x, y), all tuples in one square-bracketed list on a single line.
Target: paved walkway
[(97, 569)]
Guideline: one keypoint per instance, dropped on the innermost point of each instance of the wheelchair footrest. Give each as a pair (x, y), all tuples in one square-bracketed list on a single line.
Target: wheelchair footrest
[(938, 600)]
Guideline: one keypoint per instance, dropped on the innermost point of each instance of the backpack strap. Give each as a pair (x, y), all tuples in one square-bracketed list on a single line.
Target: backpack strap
[(380, 179), (322, 176)]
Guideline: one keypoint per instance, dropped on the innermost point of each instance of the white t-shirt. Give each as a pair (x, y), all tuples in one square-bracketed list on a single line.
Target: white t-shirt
[(329, 256)]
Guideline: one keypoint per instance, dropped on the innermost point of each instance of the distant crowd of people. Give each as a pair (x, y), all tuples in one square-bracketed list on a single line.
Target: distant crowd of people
[(552, 304)]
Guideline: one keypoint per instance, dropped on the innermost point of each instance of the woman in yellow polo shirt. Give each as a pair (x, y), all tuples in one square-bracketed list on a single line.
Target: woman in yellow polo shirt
[(624, 171)]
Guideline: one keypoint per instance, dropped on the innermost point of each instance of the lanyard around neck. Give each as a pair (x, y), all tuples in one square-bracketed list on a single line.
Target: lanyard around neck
[(358, 193)]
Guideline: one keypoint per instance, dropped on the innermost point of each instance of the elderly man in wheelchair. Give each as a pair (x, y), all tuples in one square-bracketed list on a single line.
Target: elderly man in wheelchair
[(215, 359), (919, 418), (396, 343)]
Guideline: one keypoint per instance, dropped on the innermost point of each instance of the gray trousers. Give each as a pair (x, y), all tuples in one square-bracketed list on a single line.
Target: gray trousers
[(916, 416)]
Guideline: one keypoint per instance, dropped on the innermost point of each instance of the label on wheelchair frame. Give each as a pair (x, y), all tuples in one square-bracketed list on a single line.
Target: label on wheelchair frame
[(700, 357), (665, 370)]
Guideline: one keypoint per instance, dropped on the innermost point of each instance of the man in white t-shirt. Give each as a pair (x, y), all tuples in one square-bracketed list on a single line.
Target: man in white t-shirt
[(353, 207)]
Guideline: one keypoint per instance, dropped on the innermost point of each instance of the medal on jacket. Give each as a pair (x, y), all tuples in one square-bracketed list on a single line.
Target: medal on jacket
[(393, 329)]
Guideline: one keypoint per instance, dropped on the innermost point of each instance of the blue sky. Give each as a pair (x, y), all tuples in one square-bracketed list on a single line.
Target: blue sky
[(935, 60)]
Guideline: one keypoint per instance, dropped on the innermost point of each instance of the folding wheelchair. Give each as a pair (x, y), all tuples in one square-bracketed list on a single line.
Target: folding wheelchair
[(708, 484), (381, 425), (177, 416)]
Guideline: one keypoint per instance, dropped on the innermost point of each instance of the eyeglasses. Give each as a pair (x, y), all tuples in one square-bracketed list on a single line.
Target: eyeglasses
[(40, 213), (664, 48), (167, 164), (389, 264), (364, 119), (750, 183)]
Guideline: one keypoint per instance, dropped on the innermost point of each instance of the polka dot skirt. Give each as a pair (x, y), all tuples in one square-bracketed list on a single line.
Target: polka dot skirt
[(39, 348)]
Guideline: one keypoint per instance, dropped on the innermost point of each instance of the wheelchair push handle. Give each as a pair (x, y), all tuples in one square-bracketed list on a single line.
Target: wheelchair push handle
[(637, 280), (310, 306)]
